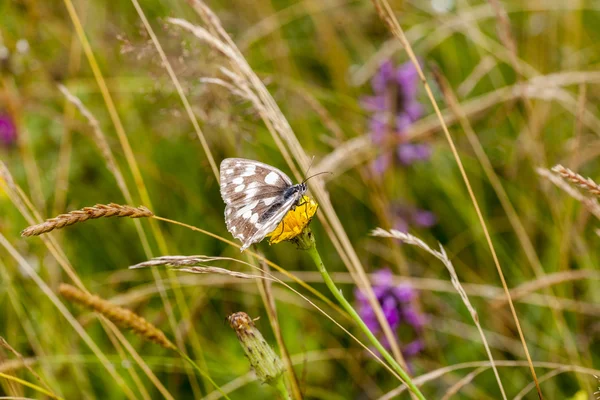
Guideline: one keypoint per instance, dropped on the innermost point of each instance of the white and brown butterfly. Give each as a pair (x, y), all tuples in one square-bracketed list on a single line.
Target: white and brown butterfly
[(257, 197)]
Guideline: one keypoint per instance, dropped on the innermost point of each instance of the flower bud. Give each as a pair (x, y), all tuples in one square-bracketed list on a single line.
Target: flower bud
[(263, 359)]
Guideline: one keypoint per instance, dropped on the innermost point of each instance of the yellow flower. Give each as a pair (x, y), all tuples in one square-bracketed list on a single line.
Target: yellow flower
[(295, 221)]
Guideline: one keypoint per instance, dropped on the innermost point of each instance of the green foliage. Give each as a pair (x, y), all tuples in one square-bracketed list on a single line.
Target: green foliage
[(316, 59)]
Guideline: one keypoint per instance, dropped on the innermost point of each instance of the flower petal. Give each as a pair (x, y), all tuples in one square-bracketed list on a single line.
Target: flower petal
[(391, 311), (404, 293), (381, 163), (414, 110), (410, 153), (294, 222), (378, 129), (8, 130), (413, 348), (373, 103), (384, 75), (413, 318), (407, 78), (403, 122), (424, 218), (383, 276), (401, 225)]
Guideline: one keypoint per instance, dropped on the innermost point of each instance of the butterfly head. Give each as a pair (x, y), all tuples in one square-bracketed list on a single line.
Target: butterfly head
[(302, 188), (295, 190)]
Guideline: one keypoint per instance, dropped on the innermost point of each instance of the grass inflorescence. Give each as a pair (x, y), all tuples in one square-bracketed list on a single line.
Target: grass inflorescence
[(121, 316), (467, 131), (97, 211)]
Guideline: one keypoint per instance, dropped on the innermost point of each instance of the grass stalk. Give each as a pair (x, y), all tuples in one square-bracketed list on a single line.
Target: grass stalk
[(282, 389), (30, 385), (337, 293), (385, 12)]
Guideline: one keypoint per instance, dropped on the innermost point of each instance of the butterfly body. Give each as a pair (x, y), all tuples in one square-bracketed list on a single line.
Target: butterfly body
[(257, 197)]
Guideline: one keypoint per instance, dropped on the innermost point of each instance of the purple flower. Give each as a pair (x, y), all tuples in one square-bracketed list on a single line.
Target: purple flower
[(410, 153), (405, 216), (397, 303), (8, 131), (394, 108)]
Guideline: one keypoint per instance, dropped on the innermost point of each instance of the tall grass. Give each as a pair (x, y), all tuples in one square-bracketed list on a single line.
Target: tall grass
[(135, 103)]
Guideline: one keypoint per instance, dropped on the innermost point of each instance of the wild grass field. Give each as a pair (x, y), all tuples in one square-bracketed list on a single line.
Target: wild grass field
[(445, 250)]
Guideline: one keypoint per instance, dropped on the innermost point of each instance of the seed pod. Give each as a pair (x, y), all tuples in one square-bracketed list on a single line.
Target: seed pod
[(265, 362)]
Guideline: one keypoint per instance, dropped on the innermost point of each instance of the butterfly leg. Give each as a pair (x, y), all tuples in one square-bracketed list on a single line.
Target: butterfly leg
[(282, 227), (301, 202)]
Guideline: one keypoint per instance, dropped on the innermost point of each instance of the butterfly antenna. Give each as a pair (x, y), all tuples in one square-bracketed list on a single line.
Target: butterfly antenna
[(320, 173), (309, 165)]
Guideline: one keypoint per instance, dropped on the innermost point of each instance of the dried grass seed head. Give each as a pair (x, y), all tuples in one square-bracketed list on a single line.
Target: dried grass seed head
[(97, 211), (119, 315)]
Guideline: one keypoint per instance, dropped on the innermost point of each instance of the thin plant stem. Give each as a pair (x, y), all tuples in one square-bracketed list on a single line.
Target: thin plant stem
[(385, 12), (30, 385), (314, 254), (201, 372), (282, 389)]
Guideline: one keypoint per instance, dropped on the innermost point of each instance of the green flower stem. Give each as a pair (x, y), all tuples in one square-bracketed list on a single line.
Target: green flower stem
[(306, 241), (282, 388)]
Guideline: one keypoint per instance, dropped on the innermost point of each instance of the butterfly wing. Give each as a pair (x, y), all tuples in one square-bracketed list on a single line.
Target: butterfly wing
[(253, 194)]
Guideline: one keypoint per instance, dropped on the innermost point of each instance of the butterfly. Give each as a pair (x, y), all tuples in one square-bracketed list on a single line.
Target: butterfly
[(257, 197)]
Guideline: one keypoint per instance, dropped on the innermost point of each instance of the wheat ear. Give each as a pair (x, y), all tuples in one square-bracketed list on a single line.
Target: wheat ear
[(121, 316), (97, 211)]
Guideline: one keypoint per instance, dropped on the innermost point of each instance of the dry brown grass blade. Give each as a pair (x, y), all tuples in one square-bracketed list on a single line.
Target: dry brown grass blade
[(297, 359), (357, 150), (6, 345), (31, 215), (454, 389), (523, 290), (195, 264), (31, 272), (529, 387), (138, 178), (425, 284), (180, 91), (97, 211), (13, 365), (311, 303), (119, 315), (511, 213), (504, 32), (435, 374), (386, 14), (266, 291), (289, 145), (100, 140), (443, 257)]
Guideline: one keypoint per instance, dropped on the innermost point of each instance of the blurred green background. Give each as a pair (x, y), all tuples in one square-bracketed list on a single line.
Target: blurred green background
[(530, 108)]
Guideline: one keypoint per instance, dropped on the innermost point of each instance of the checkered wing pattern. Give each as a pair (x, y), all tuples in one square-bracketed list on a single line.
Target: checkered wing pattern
[(254, 196)]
